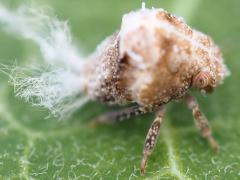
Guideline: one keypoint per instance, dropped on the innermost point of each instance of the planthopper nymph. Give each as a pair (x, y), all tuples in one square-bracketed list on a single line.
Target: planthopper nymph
[(154, 58)]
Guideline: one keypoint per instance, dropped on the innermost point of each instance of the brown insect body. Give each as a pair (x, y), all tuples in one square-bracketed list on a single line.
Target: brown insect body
[(151, 60)]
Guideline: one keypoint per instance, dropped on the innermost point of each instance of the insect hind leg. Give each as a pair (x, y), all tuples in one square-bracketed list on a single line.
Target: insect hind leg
[(118, 116)]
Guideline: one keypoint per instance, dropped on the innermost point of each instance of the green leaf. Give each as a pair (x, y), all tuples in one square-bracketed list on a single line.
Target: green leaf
[(32, 147)]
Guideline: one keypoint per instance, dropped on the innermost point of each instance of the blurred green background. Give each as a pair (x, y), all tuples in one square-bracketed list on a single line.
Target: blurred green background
[(33, 147)]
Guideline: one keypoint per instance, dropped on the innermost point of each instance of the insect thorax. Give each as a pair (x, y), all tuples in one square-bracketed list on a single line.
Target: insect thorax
[(116, 79)]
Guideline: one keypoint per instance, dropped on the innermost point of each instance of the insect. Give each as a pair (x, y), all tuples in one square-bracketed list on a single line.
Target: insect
[(153, 59)]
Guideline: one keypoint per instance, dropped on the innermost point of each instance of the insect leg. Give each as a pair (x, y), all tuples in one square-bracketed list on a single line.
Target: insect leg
[(152, 137), (201, 121), (118, 116)]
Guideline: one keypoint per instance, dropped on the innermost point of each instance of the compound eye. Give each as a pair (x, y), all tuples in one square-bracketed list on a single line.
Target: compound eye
[(201, 80)]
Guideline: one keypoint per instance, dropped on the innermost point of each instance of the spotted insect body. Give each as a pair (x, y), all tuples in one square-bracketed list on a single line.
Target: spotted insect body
[(153, 59)]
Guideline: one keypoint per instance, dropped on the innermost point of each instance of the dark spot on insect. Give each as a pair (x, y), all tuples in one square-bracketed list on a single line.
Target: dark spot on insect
[(124, 61), (209, 89), (197, 114)]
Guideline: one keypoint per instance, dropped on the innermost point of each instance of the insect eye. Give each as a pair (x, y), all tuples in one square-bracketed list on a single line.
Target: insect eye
[(201, 80)]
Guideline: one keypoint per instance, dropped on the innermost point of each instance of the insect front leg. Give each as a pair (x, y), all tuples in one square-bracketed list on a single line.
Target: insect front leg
[(201, 121), (152, 137), (121, 115)]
